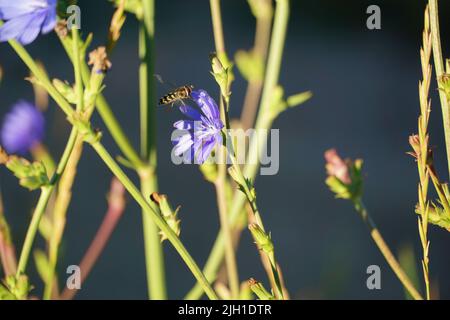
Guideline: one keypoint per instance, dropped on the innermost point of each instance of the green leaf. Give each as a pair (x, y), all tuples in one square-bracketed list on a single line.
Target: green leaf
[(250, 65), (298, 99)]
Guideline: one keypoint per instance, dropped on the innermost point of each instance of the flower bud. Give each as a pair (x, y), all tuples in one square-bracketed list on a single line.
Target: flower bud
[(18, 286), (344, 176), (170, 216), (31, 175), (65, 90), (262, 239)]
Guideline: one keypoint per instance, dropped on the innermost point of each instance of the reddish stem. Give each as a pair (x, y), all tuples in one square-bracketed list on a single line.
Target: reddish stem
[(116, 201)]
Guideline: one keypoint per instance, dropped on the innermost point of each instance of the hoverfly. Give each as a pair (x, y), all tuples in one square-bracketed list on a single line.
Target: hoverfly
[(178, 94)]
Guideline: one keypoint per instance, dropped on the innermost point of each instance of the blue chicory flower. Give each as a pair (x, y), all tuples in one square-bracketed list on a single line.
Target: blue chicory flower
[(203, 130), (25, 19), (23, 127)]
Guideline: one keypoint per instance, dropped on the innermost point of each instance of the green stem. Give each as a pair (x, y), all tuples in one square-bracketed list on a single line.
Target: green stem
[(217, 28), (230, 257), (260, 49), (221, 181), (158, 220), (251, 198), (387, 253), (41, 76), (46, 193), (64, 196), (264, 121), (77, 69), (439, 66), (108, 117), (63, 199), (154, 255)]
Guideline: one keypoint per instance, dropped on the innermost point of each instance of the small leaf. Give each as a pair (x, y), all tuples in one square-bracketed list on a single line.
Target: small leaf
[(298, 99)]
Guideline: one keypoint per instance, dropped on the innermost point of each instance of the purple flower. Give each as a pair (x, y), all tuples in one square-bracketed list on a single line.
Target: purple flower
[(26, 19), (202, 132), (23, 128)]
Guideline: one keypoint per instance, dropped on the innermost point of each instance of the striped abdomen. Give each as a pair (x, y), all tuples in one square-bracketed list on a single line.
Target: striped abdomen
[(180, 93)]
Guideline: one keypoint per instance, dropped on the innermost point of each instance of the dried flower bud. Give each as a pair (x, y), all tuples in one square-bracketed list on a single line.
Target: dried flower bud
[(117, 23), (99, 60), (61, 29)]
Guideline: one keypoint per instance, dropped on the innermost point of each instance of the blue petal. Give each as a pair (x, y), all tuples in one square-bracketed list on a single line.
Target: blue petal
[(184, 143), (184, 124), (190, 112), (33, 28), (12, 29), (50, 22), (10, 10), (204, 149), (206, 104)]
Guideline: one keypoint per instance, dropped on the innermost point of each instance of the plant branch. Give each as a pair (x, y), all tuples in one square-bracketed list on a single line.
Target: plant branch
[(387, 253), (439, 66), (264, 121)]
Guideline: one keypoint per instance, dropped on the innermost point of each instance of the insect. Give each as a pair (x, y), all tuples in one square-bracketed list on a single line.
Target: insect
[(178, 94)]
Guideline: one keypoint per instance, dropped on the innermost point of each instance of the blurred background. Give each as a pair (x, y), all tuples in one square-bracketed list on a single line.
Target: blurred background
[(365, 104)]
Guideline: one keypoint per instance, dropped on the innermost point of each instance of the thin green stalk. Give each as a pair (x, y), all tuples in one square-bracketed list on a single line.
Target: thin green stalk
[(230, 257), (154, 255), (217, 27), (64, 196), (264, 121), (260, 49), (159, 221), (251, 198), (46, 193), (387, 253), (221, 182), (108, 117), (439, 66), (422, 149), (115, 168), (41, 76), (77, 70)]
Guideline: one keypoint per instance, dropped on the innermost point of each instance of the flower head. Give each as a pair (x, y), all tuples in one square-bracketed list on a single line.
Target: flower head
[(344, 176), (202, 132), (25, 19), (336, 166), (23, 128)]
